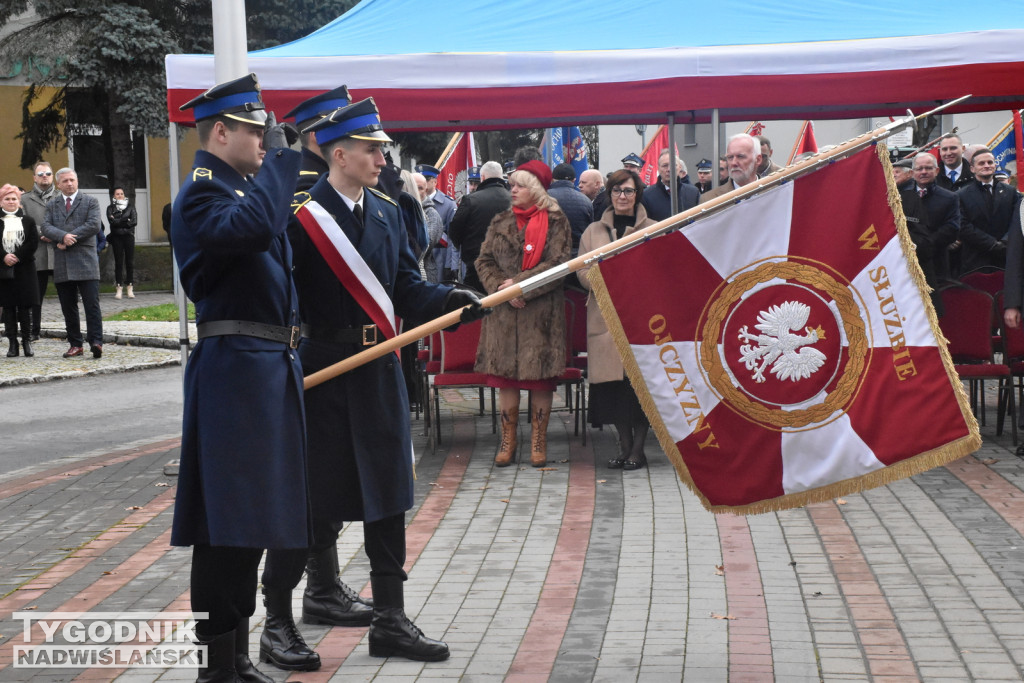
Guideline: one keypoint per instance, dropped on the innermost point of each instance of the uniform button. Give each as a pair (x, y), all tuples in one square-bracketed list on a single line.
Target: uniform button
[(279, 153), (291, 356)]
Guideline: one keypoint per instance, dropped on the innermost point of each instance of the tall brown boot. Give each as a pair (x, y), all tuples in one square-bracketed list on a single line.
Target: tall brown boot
[(509, 437), (539, 437)]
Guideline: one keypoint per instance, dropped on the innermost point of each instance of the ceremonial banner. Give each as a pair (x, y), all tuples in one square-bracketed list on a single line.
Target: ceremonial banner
[(805, 142), (454, 165), (785, 348), (565, 145), (1006, 144), (649, 173)]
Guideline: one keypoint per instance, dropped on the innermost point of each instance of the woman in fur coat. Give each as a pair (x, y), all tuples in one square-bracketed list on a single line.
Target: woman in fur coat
[(522, 344)]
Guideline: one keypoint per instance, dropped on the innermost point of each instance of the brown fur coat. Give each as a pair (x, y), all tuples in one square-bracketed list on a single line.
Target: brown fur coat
[(523, 343)]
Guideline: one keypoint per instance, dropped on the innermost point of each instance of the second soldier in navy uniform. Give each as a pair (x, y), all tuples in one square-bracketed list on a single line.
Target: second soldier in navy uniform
[(306, 114), (326, 599), (360, 465)]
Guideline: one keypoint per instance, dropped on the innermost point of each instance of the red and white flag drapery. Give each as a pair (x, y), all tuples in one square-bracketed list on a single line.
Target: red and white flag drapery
[(805, 142), (785, 349), (453, 166)]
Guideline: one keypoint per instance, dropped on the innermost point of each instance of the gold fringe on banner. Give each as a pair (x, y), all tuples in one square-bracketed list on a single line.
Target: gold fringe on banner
[(900, 470)]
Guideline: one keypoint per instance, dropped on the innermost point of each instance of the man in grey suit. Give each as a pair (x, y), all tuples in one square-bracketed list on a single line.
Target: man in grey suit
[(72, 221)]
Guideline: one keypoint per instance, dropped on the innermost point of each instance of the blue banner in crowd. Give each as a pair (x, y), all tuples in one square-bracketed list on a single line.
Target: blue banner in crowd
[(565, 145), (1005, 147)]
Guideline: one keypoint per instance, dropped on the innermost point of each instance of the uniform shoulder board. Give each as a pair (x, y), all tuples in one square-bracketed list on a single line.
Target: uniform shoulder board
[(299, 200), (383, 196), (308, 173), (201, 173)]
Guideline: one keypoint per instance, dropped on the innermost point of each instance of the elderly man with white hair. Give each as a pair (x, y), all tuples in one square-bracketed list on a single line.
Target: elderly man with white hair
[(743, 158), (469, 225)]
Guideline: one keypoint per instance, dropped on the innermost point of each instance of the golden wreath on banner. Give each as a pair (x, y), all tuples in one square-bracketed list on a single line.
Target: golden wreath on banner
[(771, 343)]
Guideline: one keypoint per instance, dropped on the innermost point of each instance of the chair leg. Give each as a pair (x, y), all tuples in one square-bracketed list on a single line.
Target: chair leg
[(437, 413), (981, 400), (583, 411), (1001, 403), (427, 416), (480, 391)]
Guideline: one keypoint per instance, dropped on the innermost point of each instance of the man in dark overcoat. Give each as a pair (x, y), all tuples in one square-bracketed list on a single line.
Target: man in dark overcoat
[(986, 209), (933, 221), (242, 483), (358, 432)]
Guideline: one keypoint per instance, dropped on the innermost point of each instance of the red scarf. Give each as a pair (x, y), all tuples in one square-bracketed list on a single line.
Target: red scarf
[(535, 221)]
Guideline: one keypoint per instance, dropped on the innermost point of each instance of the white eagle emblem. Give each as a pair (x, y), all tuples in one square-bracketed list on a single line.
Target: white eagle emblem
[(777, 345)]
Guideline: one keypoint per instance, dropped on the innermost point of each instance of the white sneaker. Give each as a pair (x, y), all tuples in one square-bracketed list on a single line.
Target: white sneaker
[(117, 292), (131, 294)]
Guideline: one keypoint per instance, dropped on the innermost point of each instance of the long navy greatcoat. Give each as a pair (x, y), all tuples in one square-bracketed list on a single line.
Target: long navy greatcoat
[(242, 478), (360, 446)]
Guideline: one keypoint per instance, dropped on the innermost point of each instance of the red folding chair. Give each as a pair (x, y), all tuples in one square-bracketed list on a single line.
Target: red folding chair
[(458, 356), (966, 325)]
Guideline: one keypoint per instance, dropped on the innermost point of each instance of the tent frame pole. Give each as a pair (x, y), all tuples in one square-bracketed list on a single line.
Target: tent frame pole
[(174, 161), (673, 186), (716, 145)]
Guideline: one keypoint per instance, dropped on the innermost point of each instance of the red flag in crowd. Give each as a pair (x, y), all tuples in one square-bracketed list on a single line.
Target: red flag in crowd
[(755, 128), (781, 363), (461, 155), (650, 155), (805, 142)]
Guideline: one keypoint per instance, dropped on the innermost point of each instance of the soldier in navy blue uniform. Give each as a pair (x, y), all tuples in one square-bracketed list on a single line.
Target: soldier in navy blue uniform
[(326, 600), (449, 264), (358, 432), (242, 483), (306, 114)]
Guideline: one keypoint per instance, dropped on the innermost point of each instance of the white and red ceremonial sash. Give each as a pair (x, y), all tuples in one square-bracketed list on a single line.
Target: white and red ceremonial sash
[(785, 349), (349, 267)]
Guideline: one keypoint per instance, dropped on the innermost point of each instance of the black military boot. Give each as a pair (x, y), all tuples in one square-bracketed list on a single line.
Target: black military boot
[(220, 660), (25, 315), (281, 644), (392, 634), (327, 600), (243, 665)]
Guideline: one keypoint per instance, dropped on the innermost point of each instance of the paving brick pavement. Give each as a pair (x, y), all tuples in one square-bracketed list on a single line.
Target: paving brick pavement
[(579, 573)]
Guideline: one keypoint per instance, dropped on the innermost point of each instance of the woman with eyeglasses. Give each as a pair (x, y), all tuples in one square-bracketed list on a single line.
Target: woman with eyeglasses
[(19, 238), (522, 343), (612, 398)]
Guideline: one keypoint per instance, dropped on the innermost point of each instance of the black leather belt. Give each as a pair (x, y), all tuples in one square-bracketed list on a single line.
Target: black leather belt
[(245, 328), (366, 335)]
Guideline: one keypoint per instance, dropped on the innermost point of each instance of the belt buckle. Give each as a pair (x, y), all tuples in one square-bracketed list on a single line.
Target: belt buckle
[(294, 335), (369, 335)]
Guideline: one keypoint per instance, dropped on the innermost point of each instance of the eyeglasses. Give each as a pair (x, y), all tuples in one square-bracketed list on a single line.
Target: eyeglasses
[(44, 174), (624, 191)]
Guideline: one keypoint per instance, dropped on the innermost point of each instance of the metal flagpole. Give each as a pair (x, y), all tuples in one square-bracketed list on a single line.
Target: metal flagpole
[(662, 227), (931, 143)]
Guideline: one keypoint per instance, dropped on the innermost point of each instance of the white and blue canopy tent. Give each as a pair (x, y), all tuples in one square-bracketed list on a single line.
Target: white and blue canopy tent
[(498, 64), (491, 64)]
